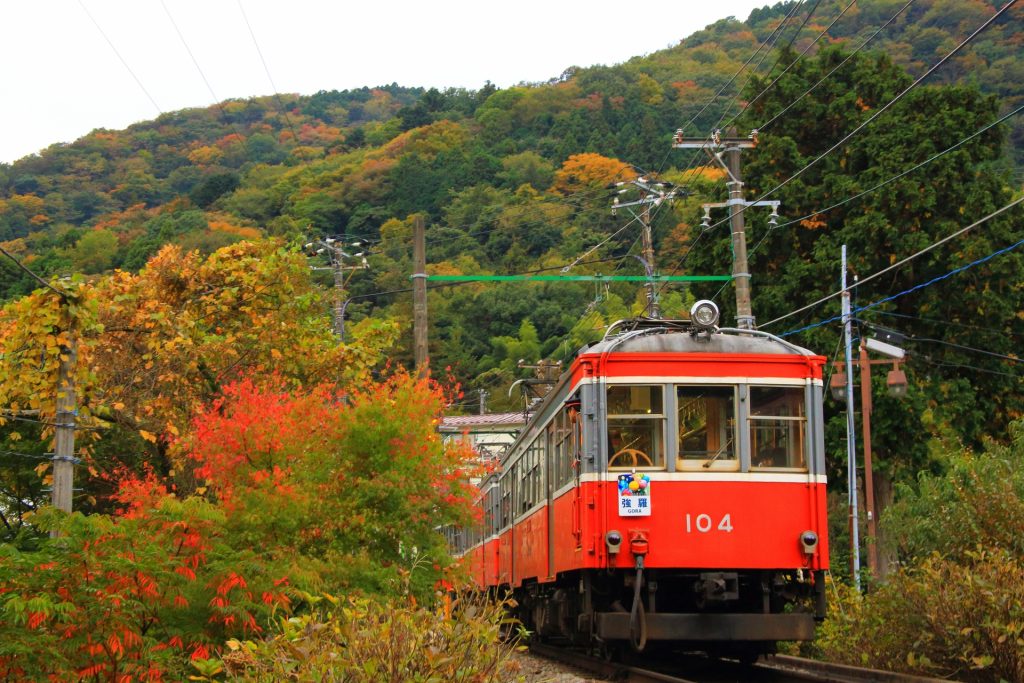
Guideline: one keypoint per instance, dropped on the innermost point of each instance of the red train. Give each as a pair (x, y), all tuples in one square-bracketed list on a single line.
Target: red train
[(670, 487)]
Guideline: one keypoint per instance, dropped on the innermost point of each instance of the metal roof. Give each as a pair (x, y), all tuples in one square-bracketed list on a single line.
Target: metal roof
[(486, 422)]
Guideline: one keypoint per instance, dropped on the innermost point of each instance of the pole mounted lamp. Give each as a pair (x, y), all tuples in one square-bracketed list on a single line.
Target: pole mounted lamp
[(840, 386)]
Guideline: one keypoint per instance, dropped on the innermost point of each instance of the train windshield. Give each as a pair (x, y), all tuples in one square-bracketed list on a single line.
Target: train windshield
[(706, 427), (636, 426), (777, 427)]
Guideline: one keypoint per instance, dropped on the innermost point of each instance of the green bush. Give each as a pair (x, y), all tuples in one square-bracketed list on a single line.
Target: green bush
[(945, 618), (978, 501), (376, 642)]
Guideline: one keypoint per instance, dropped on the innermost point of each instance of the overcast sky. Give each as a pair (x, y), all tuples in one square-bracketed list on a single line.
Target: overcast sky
[(70, 66)]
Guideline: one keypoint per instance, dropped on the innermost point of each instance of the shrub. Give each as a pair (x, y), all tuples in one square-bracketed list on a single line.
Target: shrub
[(379, 642), (978, 501), (943, 618)]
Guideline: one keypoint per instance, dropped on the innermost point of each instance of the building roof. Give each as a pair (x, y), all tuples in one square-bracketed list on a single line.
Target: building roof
[(484, 423)]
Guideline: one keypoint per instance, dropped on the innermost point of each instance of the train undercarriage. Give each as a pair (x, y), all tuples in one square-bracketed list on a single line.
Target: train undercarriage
[(740, 614)]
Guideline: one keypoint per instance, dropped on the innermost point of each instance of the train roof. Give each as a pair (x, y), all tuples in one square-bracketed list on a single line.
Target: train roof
[(680, 337)]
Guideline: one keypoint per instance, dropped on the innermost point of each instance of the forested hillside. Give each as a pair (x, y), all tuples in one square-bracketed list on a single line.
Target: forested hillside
[(513, 180), (207, 364)]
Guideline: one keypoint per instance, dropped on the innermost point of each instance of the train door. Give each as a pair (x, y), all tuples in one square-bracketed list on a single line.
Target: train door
[(576, 458), (550, 478)]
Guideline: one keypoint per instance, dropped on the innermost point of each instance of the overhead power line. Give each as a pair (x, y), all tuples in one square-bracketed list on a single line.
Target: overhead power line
[(897, 176), (33, 275), (771, 38), (913, 289), (898, 264), (122, 59), (838, 66), (266, 70), (988, 22), (814, 42)]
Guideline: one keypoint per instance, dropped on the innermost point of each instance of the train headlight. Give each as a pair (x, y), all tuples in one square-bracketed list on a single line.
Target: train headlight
[(809, 542), (613, 539), (704, 313)]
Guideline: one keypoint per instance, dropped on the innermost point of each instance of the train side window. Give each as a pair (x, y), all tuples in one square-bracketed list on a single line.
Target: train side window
[(564, 444), (778, 427), (636, 427), (707, 428)]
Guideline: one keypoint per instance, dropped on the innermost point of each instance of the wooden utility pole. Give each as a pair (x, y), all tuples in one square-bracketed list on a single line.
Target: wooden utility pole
[(419, 294), (64, 450), (869, 484)]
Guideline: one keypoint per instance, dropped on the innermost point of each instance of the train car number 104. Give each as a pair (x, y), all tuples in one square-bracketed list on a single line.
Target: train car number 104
[(704, 523)]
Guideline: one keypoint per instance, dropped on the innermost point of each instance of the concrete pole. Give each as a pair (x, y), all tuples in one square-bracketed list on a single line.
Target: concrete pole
[(851, 434), (648, 246), (64, 449), (740, 270), (419, 295)]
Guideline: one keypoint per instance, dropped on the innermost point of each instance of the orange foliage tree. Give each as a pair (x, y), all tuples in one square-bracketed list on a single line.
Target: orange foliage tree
[(582, 172), (303, 491), (154, 347)]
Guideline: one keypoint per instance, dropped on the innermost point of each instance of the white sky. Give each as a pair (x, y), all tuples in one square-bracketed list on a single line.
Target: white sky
[(61, 78)]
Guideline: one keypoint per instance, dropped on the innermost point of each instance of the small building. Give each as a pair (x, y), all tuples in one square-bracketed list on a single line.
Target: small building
[(490, 434)]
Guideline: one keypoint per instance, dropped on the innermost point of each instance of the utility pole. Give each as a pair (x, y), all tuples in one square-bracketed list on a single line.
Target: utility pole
[(869, 480), (483, 402), (851, 433), (419, 294), (731, 146), (64, 447), (337, 256), (650, 194)]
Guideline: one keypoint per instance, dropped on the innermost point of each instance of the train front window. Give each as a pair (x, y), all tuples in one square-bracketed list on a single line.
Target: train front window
[(777, 428), (636, 427), (706, 427)]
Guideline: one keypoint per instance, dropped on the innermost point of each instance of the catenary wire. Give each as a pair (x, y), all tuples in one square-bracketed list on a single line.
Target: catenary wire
[(792, 63), (838, 66), (988, 22), (122, 59), (910, 290), (900, 263)]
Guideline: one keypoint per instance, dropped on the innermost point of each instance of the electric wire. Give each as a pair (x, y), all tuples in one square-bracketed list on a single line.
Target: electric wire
[(962, 347), (266, 69), (216, 100), (32, 456), (838, 66), (988, 22), (188, 49), (900, 263), (795, 60), (122, 59), (772, 37), (753, 72), (808, 91), (947, 323), (36, 277), (963, 366), (898, 175), (910, 290)]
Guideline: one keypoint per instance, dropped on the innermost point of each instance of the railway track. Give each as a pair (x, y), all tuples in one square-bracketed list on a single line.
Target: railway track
[(698, 669)]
